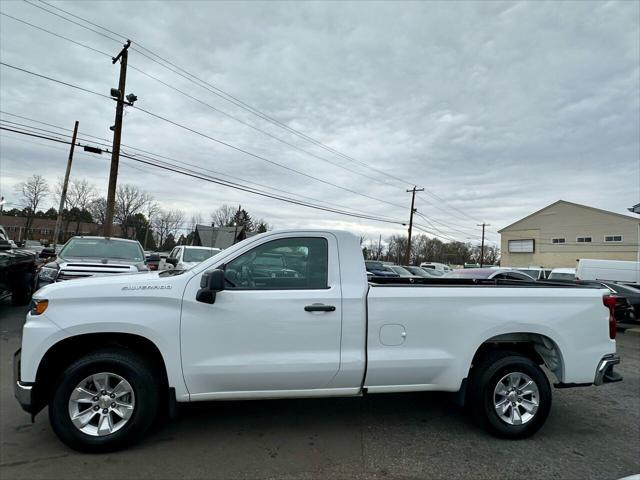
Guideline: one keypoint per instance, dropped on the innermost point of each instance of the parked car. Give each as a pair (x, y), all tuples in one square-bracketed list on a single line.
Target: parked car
[(628, 309), (17, 271), (612, 270), (563, 274), (4, 234), (34, 246), (490, 274), (186, 256), (422, 272), (378, 269), (109, 355), (83, 257), (441, 267)]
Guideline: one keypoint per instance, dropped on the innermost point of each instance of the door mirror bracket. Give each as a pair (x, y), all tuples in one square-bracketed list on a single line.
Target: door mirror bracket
[(211, 282)]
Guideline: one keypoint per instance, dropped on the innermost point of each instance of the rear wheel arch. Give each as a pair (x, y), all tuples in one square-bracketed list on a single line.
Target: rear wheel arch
[(65, 352), (535, 346)]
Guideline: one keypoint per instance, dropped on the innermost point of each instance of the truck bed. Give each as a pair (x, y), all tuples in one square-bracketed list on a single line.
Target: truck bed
[(470, 282)]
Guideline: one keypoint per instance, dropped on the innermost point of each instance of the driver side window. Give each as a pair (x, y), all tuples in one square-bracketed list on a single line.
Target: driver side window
[(287, 263)]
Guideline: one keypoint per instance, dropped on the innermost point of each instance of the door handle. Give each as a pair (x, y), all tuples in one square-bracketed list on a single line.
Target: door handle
[(319, 307)]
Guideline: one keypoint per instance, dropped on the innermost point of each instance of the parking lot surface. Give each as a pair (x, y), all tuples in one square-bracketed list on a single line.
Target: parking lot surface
[(592, 433)]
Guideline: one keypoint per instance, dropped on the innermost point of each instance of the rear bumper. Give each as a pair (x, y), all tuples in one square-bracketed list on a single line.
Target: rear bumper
[(23, 391), (604, 372)]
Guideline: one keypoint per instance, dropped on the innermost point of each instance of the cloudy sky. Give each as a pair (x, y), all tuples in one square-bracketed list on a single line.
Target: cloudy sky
[(496, 109)]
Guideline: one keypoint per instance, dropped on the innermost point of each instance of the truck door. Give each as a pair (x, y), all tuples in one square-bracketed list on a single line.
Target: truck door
[(276, 326)]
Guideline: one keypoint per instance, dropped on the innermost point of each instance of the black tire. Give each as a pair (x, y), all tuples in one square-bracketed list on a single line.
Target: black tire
[(486, 374), (134, 369), (21, 294)]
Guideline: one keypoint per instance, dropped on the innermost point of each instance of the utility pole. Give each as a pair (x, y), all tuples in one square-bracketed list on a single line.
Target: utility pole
[(63, 195), (482, 244), (117, 135), (413, 200)]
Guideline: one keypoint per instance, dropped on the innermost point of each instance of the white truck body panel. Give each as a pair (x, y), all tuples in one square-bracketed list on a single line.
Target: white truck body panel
[(262, 343)]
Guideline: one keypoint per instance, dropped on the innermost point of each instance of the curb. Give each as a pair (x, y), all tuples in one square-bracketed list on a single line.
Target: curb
[(633, 331)]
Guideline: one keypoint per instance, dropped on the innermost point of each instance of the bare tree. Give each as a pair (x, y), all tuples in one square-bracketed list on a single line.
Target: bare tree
[(166, 223), (97, 208), (33, 191), (130, 200), (196, 219), (223, 216), (151, 211), (80, 196)]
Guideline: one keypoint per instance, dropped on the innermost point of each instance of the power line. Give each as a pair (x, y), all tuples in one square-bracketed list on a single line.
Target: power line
[(155, 156), (222, 112), (54, 34), (204, 135), (54, 80), (254, 127), (71, 21), (230, 184), (230, 98), (217, 91)]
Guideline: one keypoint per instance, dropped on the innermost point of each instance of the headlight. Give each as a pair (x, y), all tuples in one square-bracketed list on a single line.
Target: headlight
[(49, 274)]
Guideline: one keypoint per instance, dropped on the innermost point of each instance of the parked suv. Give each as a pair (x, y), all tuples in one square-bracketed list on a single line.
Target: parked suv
[(92, 256)]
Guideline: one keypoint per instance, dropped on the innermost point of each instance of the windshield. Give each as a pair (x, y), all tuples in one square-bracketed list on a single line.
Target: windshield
[(532, 273), (562, 276), (400, 270), (198, 254), (374, 266), (102, 248)]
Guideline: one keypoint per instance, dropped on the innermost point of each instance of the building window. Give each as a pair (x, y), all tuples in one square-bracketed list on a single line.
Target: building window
[(583, 239), (521, 246), (613, 238), (557, 240)]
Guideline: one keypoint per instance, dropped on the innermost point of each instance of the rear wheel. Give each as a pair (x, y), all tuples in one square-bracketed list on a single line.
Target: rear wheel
[(104, 401), (509, 395)]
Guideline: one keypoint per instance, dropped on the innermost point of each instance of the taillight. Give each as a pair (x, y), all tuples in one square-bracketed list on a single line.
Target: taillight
[(610, 302)]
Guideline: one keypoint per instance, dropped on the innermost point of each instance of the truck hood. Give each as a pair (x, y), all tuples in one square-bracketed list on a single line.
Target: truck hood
[(146, 283)]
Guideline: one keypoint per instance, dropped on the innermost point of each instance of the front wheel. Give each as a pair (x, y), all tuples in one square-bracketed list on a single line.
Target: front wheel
[(104, 401), (509, 395)]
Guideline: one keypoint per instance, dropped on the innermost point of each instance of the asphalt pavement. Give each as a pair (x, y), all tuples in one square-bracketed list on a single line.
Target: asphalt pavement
[(592, 433)]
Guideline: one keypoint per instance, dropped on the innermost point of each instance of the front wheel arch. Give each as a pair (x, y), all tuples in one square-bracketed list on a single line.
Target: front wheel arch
[(65, 352)]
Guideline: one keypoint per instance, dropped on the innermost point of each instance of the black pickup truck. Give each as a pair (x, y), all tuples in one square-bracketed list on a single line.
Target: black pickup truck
[(17, 272)]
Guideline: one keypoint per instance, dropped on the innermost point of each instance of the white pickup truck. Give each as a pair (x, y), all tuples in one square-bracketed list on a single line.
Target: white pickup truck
[(108, 355)]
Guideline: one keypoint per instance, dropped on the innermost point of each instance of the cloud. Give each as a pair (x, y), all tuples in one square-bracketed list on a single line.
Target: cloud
[(497, 108)]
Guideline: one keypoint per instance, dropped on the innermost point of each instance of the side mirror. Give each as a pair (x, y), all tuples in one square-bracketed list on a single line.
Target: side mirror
[(211, 282), (47, 252), (172, 260)]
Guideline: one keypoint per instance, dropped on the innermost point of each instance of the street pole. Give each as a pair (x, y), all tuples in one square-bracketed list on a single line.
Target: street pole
[(482, 244), (63, 195), (413, 200), (117, 135)]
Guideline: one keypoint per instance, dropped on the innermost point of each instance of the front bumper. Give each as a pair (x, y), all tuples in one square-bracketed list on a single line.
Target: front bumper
[(23, 391), (604, 372)]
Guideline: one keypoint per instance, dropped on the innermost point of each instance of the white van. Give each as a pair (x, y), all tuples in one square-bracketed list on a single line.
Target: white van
[(614, 270)]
